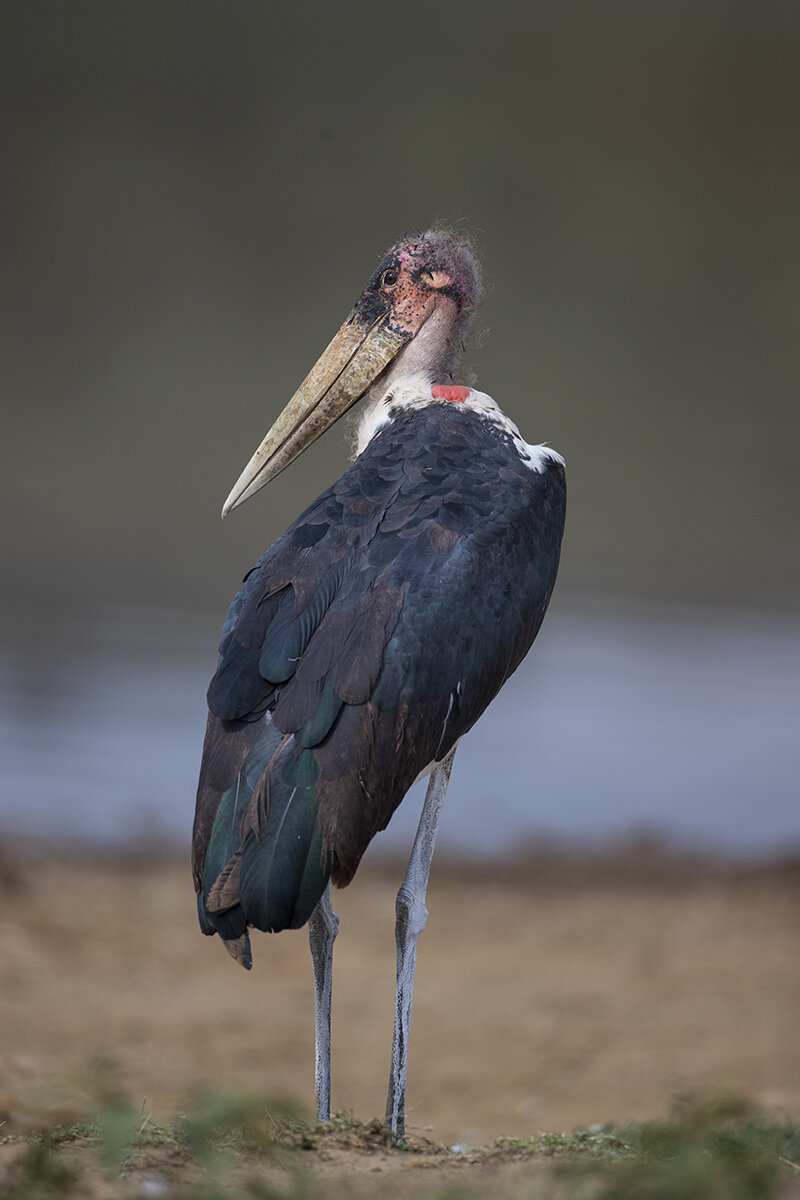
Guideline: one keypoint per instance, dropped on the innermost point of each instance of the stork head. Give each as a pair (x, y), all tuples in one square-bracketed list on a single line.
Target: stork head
[(412, 317)]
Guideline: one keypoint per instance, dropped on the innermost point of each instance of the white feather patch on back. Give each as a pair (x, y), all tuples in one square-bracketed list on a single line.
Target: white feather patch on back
[(414, 391), (535, 457)]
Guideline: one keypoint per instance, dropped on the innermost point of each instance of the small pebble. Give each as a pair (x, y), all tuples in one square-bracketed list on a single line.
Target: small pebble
[(153, 1188)]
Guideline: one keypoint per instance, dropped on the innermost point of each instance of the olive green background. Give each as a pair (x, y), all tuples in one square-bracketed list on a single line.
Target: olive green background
[(195, 193)]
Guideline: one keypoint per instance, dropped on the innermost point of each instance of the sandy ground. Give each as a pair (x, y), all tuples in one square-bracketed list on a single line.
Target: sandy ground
[(549, 994)]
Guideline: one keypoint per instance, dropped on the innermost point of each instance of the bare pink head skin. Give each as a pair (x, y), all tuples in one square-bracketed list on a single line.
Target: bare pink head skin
[(431, 286)]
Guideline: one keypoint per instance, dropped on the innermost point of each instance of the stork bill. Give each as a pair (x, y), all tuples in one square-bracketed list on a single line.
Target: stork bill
[(356, 356), (383, 321)]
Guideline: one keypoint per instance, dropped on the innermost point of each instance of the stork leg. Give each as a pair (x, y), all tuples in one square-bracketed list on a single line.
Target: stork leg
[(411, 915), (323, 925)]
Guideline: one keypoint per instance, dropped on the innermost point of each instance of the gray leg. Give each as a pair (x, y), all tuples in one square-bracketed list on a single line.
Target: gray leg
[(322, 927), (411, 915)]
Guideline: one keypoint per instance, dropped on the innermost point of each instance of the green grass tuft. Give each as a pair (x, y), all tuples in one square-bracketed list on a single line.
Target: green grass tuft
[(39, 1174), (715, 1149), (602, 1144)]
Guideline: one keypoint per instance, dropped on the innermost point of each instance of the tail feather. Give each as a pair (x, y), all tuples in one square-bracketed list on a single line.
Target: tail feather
[(218, 853), (265, 865), (239, 950), (283, 874)]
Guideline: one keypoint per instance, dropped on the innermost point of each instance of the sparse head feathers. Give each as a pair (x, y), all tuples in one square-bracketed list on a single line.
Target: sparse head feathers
[(451, 262), (443, 262), (430, 286)]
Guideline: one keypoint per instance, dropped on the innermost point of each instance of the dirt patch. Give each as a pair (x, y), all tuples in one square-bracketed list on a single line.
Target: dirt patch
[(549, 995)]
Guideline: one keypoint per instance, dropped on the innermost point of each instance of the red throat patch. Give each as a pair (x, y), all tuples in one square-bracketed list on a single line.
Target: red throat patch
[(448, 391)]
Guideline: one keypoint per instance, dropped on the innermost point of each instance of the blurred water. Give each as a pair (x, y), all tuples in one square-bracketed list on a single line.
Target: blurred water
[(678, 723)]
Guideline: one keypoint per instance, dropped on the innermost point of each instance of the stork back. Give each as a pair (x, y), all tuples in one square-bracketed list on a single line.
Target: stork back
[(362, 646)]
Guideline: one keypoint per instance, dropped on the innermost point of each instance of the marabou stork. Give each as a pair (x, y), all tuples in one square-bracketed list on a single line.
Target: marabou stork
[(367, 641)]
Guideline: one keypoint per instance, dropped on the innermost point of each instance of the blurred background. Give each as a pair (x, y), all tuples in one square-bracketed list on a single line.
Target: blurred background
[(195, 193)]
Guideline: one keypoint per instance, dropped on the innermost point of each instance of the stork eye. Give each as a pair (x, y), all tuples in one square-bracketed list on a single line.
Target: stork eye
[(389, 278)]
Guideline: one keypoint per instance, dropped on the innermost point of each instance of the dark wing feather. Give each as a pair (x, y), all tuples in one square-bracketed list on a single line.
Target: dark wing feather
[(366, 641)]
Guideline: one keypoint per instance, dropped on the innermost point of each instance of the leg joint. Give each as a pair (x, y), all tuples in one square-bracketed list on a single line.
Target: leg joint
[(410, 911)]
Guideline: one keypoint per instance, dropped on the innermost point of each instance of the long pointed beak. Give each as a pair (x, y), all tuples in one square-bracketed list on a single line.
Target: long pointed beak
[(361, 349)]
